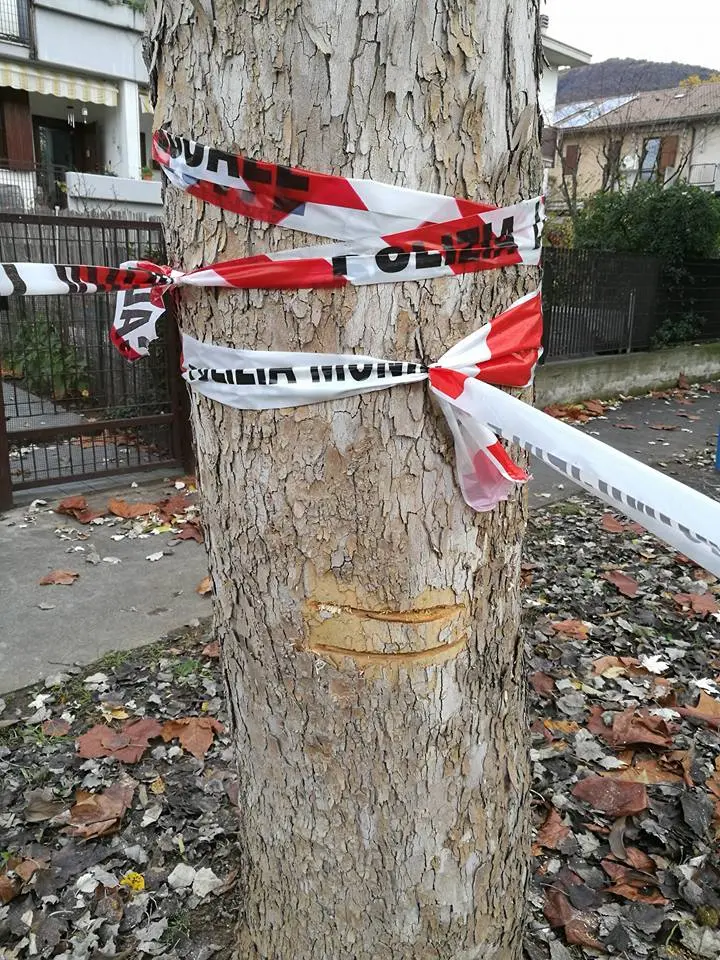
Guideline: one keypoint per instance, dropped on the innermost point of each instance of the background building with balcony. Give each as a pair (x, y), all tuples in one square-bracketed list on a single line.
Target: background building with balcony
[(75, 119)]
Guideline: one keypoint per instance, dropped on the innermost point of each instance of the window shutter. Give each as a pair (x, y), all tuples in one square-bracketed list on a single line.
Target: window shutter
[(17, 124), (571, 158), (668, 152)]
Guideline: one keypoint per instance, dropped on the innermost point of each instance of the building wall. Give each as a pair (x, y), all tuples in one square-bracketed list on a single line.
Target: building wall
[(548, 93), (592, 161), (110, 35)]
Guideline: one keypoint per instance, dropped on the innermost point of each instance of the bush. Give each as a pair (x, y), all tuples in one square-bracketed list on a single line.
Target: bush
[(674, 224)]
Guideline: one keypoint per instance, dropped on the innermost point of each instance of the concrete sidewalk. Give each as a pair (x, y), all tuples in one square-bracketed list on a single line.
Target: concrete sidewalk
[(111, 606), (656, 447), (118, 606)]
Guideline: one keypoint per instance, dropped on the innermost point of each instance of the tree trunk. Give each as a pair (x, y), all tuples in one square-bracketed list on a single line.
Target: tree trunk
[(368, 618)]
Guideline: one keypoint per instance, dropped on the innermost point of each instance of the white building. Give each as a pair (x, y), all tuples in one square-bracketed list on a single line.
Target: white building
[(75, 119), (558, 56)]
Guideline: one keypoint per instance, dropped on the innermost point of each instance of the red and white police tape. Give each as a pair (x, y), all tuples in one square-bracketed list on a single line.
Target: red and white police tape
[(504, 352), (390, 234)]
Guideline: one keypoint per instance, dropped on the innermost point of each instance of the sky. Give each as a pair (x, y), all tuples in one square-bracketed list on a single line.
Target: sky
[(662, 30)]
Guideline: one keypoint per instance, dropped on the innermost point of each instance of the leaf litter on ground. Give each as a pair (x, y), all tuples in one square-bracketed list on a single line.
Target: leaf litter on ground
[(626, 740), (625, 766)]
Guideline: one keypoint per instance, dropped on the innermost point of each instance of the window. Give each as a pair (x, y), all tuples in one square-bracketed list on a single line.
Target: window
[(658, 156), (650, 156)]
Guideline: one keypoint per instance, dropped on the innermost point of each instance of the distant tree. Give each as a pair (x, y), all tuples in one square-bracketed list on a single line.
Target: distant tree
[(694, 80)]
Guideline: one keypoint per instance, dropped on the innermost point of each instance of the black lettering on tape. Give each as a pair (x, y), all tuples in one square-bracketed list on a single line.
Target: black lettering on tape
[(340, 264), (245, 378), (287, 372), (289, 179), (220, 376), (450, 251), (260, 376), (215, 157), (194, 153), (360, 371), (506, 240), (392, 259), (469, 239), (130, 320), (424, 259), (254, 173)]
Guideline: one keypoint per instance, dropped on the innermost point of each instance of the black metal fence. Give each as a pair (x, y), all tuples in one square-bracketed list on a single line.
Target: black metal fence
[(694, 300), (73, 408), (598, 303)]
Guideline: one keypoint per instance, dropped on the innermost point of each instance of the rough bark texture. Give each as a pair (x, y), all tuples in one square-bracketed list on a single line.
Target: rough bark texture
[(368, 619)]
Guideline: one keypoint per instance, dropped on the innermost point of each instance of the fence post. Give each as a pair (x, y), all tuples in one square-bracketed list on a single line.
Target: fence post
[(6, 492)]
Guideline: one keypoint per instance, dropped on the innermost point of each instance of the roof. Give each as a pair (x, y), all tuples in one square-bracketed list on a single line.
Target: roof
[(559, 54), (642, 109)]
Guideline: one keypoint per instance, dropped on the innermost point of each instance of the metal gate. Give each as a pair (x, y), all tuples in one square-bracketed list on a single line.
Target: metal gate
[(71, 407), (598, 303)]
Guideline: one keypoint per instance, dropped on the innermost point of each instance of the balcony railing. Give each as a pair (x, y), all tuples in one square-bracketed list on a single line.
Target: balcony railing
[(32, 188), (15, 21)]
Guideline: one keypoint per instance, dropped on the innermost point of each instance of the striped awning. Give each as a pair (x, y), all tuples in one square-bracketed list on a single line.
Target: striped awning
[(21, 76)]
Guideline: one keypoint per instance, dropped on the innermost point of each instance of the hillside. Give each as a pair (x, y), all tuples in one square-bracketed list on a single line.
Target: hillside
[(612, 77)]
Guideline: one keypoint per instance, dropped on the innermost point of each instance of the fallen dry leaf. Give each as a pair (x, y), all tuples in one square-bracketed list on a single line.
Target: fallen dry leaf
[(631, 727), (614, 797), (683, 383), (42, 805), (9, 889), (616, 666), (561, 726), (594, 406), (639, 884), (211, 650), (196, 734), (191, 531), (713, 785), (625, 585), (98, 814), (128, 744), (699, 603), (130, 511), (204, 588), (663, 426), (78, 508), (644, 771), (553, 831), (64, 578), (542, 683), (55, 728), (707, 710), (173, 506), (560, 913), (625, 426), (577, 629), (28, 868), (612, 524)]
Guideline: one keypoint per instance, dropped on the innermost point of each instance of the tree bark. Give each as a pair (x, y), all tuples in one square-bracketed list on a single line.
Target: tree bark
[(368, 619)]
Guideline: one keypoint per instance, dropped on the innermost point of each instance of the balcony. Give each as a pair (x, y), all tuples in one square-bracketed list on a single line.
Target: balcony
[(32, 187), (15, 21)]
